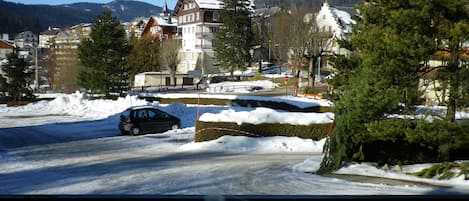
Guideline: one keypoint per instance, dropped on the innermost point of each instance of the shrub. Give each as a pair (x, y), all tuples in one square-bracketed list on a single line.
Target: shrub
[(400, 141)]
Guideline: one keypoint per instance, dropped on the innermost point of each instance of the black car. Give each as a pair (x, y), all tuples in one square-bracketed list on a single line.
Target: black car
[(147, 119)]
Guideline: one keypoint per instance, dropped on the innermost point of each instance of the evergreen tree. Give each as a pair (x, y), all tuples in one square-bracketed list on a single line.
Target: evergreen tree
[(144, 55), (234, 39), (390, 49), (19, 76), (103, 57), (451, 28)]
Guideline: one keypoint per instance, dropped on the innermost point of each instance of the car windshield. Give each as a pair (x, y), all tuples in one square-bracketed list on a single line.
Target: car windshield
[(234, 99)]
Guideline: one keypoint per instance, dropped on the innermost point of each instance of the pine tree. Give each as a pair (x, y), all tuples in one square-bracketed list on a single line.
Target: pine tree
[(103, 57), (234, 39), (390, 48), (144, 55), (19, 75), (451, 27)]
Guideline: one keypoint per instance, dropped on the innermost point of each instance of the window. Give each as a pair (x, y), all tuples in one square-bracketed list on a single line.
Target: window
[(215, 16), (214, 29), (197, 16)]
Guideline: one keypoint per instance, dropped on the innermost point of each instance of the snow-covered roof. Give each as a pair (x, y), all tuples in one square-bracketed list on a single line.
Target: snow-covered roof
[(163, 21), (344, 19), (209, 4)]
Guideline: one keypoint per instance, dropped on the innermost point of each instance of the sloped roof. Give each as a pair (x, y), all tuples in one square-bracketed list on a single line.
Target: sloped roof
[(209, 4), (162, 21), (344, 18)]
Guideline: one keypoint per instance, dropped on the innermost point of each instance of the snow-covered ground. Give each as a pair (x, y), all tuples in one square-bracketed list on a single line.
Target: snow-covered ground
[(72, 146)]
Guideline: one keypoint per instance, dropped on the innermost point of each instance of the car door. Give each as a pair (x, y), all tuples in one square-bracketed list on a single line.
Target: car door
[(142, 120), (160, 120)]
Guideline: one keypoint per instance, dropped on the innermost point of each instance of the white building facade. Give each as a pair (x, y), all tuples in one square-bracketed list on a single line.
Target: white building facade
[(338, 23), (198, 21)]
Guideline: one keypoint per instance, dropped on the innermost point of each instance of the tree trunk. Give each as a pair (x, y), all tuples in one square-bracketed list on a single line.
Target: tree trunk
[(453, 66), (173, 77), (311, 72)]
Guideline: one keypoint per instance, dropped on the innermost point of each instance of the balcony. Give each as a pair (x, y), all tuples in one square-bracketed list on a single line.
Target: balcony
[(206, 35), (198, 46)]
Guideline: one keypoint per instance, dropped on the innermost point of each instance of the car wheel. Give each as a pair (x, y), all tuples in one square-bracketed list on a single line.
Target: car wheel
[(174, 127), (134, 131)]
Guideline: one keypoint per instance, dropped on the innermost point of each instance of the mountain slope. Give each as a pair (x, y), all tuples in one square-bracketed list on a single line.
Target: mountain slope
[(15, 18)]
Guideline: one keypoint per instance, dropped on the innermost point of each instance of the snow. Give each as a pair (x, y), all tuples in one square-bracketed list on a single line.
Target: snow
[(46, 162), (241, 87), (261, 145), (266, 115), (209, 4)]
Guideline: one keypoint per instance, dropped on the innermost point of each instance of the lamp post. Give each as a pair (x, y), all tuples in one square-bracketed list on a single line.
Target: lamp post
[(36, 69)]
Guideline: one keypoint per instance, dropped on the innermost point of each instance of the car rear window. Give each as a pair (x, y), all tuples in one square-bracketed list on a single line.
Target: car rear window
[(125, 114)]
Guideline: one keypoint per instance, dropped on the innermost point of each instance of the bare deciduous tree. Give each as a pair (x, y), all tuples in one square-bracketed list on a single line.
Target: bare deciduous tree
[(171, 58)]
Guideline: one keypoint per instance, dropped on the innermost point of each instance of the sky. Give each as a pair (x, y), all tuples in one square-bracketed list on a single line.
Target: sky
[(171, 3)]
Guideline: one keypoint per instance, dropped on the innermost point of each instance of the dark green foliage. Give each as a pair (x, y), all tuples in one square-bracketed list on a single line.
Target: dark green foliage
[(401, 141), (206, 131), (12, 23), (234, 39), (381, 75), (144, 55), (19, 76), (445, 171), (103, 56)]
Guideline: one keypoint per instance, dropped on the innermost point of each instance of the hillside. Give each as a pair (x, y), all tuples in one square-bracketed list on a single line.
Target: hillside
[(15, 18)]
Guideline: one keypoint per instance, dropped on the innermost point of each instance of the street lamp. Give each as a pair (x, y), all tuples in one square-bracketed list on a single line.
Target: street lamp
[(36, 68)]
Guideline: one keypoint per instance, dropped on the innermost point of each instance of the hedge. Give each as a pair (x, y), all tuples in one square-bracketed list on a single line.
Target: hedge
[(401, 142), (206, 131)]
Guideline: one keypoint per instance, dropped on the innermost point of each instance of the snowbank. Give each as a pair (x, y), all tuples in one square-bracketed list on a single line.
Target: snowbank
[(266, 115), (265, 144)]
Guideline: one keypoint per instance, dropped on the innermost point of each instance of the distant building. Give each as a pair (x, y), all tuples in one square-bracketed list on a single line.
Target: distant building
[(161, 27), (45, 37), (338, 23), (136, 27), (6, 47), (66, 65), (198, 21), (25, 39)]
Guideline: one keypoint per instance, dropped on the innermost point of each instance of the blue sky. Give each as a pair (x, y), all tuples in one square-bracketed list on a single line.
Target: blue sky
[(171, 3)]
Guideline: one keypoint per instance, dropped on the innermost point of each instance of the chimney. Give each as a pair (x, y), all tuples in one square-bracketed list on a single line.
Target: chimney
[(5, 36)]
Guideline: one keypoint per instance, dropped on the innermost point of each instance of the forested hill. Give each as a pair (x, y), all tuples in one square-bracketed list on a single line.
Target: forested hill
[(15, 18)]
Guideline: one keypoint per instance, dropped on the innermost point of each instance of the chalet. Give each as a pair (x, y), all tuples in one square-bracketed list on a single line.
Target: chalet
[(136, 27), (161, 27), (198, 20), (6, 47)]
